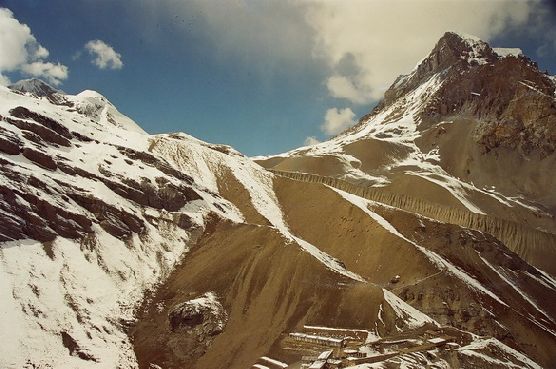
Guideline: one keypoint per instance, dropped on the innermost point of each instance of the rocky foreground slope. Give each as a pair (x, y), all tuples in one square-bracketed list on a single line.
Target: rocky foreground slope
[(121, 249)]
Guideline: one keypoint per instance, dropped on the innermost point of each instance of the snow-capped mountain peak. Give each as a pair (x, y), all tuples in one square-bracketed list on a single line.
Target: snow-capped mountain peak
[(35, 87), (452, 51), (495, 100), (102, 111)]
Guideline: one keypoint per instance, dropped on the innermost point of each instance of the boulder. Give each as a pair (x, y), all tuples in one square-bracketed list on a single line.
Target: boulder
[(204, 316)]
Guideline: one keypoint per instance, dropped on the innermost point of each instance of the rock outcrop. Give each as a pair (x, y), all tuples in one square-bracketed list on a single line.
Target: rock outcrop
[(511, 98), (202, 316)]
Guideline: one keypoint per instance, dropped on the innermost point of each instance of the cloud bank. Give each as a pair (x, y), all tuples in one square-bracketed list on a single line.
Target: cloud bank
[(337, 120), (311, 140), (382, 39), (104, 55), (363, 46), (21, 52)]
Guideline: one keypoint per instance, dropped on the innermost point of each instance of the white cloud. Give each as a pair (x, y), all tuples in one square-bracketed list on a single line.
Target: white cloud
[(15, 38), (41, 52), (336, 121), (347, 88), (104, 55), (359, 46), (20, 51), (383, 39), (263, 37), (4, 81), (380, 38), (311, 140), (53, 71)]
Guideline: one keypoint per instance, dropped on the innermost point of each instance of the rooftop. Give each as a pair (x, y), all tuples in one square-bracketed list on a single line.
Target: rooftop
[(325, 355), (314, 337), (436, 340)]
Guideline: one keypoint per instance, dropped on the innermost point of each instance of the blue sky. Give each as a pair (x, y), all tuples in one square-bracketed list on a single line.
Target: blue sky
[(261, 76)]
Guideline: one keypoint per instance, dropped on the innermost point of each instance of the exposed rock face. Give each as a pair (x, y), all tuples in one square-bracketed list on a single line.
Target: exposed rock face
[(42, 159), (203, 316), (24, 113), (71, 344), (453, 51), (193, 325), (43, 220), (513, 101), (9, 143)]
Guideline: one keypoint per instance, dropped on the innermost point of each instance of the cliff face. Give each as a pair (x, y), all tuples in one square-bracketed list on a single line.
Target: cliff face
[(511, 99), (452, 51)]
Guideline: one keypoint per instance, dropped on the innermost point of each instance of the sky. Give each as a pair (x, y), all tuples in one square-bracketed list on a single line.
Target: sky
[(264, 76)]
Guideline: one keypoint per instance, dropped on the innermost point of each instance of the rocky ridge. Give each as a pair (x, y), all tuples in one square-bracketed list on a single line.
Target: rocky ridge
[(449, 132)]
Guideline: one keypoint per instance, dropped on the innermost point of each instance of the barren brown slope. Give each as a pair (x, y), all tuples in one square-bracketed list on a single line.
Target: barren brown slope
[(327, 165), (537, 247), (267, 287), (525, 322), (230, 188), (368, 249), (504, 168)]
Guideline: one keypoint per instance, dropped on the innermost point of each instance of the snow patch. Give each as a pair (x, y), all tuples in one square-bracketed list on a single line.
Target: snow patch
[(504, 52), (480, 344), (411, 316), (436, 259)]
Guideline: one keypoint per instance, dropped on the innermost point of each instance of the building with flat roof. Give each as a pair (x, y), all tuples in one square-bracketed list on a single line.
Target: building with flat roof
[(353, 353), (440, 341), (273, 363), (320, 340)]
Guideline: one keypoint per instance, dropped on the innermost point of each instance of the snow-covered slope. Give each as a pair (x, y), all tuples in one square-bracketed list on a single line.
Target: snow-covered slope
[(34, 87), (90, 221), (99, 109)]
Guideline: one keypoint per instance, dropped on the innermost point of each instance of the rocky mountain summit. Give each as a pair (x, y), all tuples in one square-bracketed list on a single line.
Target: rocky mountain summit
[(38, 88), (504, 90), (449, 132), (402, 242)]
